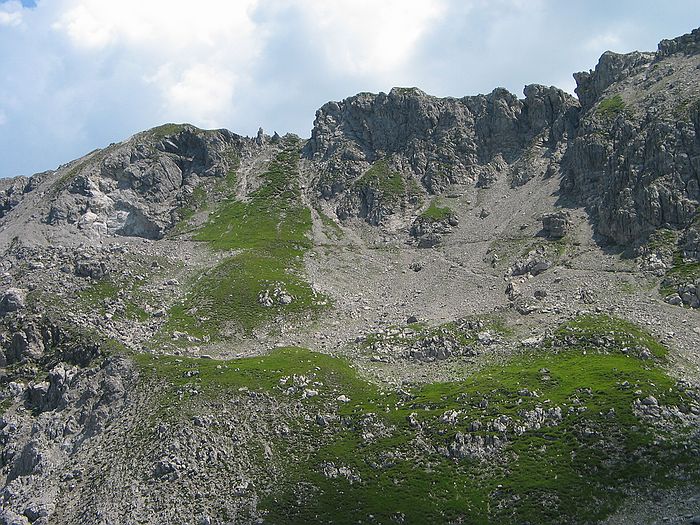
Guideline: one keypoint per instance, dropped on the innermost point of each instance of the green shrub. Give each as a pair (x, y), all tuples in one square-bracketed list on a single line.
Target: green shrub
[(611, 106)]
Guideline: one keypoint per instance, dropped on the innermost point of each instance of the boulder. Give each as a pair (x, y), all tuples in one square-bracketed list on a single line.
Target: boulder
[(555, 225), (91, 268), (12, 300)]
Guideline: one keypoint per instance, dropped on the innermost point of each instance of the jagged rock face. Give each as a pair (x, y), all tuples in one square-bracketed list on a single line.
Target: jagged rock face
[(133, 189), (611, 68), (691, 241), (635, 160), (436, 140), (629, 153), (11, 192)]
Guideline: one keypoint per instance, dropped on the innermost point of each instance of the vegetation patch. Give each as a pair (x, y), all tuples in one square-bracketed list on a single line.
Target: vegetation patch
[(611, 106), (166, 130), (263, 279), (389, 184), (436, 213), (663, 241), (118, 296), (552, 436), (682, 272)]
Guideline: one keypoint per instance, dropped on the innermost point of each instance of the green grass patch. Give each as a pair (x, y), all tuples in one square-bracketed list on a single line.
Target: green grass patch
[(611, 106), (436, 213), (663, 241), (270, 233), (601, 331), (224, 300), (197, 201), (98, 296), (682, 272), (577, 470), (389, 184), (166, 130)]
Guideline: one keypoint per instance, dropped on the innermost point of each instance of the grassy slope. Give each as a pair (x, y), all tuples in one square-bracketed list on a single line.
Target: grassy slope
[(269, 231), (574, 472)]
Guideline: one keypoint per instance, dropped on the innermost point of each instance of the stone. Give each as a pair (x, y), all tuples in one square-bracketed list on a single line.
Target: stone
[(90, 268), (650, 401), (12, 300), (556, 225), (429, 231), (674, 299), (534, 265), (513, 291), (413, 420)]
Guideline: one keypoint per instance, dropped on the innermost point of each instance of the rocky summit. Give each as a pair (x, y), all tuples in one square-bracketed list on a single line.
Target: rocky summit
[(434, 310)]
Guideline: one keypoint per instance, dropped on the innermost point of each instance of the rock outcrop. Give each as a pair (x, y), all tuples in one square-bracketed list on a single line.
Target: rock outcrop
[(11, 192), (136, 188), (431, 141), (635, 159), (555, 225), (629, 152)]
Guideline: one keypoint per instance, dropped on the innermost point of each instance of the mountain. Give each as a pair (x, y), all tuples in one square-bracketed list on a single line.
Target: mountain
[(435, 310)]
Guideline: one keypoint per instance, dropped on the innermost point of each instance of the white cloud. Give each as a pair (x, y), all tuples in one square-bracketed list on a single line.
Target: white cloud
[(367, 37), (192, 56), (161, 26), (202, 93), (10, 14), (603, 42)]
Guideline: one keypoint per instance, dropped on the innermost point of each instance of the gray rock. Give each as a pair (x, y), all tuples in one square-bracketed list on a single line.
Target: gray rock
[(438, 141), (513, 291), (12, 191), (633, 168), (90, 268), (429, 231), (137, 188), (674, 299), (534, 265), (556, 225), (650, 401), (12, 300)]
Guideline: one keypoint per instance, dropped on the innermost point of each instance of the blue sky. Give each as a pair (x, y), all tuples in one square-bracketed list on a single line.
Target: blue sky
[(79, 74)]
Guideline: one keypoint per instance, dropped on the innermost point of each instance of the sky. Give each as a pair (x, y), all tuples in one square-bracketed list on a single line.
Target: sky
[(76, 75)]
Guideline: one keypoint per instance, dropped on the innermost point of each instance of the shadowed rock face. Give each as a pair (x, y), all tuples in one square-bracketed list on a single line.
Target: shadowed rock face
[(11, 192), (438, 140), (635, 158)]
